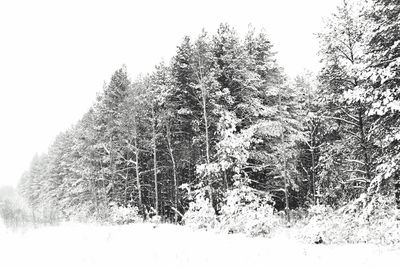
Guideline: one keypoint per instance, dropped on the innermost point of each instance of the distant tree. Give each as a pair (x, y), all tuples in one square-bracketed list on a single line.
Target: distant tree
[(31, 186)]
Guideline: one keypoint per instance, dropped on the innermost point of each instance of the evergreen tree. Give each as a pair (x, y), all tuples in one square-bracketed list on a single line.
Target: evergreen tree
[(383, 53), (350, 170)]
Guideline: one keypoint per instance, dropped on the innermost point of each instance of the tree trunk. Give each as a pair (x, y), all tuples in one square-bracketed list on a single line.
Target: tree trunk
[(155, 160), (33, 217), (111, 168), (204, 104), (226, 181), (397, 190), (94, 194), (138, 174), (364, 146), (104, 194), (312, 149), (313, 131), (284, 165), (126, 185), (171, 153)]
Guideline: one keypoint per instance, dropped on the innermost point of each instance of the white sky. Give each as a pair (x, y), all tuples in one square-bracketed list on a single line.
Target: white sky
[(55, 55)]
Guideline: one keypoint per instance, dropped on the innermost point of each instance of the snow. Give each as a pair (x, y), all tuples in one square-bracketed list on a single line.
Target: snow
[(169, 245)]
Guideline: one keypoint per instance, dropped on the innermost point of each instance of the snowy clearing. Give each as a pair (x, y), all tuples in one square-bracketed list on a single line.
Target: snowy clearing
[(169, 245)]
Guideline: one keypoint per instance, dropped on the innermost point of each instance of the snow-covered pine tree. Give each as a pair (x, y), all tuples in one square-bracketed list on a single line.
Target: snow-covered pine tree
[(347, 161), (384, 91), (309, 149), (110, 146)]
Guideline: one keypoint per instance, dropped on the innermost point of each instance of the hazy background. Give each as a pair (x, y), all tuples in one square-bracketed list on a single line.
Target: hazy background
[(55, 55)]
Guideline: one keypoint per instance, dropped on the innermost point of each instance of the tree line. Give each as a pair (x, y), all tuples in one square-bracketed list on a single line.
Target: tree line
[(222, 114)]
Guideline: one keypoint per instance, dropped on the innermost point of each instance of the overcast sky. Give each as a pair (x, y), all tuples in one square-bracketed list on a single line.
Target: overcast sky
[(55, 55)]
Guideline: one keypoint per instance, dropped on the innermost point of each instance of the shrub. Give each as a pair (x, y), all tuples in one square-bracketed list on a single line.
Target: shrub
[(374, 222), (201, 214), (247, 211), (313, 229), (124, 215)]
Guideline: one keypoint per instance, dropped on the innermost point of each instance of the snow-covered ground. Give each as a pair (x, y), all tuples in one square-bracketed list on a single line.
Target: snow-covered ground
[(168, 245)]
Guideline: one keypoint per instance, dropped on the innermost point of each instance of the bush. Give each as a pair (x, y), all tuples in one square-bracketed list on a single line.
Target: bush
[(358, 222), (314, 230), (247, 211), (83, 212), (124, 215), (201, 214)]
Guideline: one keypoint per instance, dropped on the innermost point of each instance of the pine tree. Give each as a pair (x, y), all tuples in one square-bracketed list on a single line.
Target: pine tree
[(31, 186), (342, 82), (109, 109), (306, 86), (383, 90), (207, 94)]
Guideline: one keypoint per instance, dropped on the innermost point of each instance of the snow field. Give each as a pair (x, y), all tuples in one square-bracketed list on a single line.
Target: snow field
[(169, 245)]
